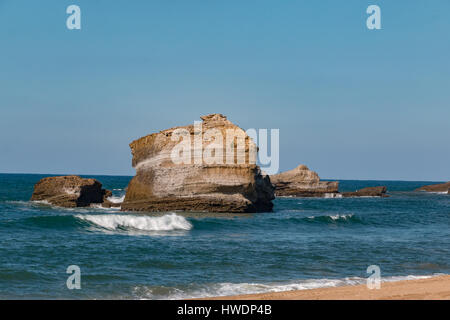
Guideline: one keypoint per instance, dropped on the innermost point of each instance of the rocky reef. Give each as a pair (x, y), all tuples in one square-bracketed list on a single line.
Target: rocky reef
[(209, 172), (302, 182), (441, 187), (367, 192), (70, 191)]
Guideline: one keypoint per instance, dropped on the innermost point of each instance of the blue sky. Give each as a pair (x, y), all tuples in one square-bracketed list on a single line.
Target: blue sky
[(350, 103)]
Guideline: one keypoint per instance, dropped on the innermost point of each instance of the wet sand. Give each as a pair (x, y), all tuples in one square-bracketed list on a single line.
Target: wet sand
[(435, 288)]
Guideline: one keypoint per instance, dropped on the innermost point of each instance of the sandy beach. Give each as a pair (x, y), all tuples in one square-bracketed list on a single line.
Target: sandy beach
[(435, 288)]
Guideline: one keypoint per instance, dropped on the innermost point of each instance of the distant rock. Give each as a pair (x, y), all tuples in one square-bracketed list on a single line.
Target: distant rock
[(441, 187), (70, 191), (162, 185), (302, 182), (367, 192)]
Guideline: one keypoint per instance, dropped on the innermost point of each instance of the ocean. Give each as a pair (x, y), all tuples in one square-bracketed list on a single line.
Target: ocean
[(305, 243)]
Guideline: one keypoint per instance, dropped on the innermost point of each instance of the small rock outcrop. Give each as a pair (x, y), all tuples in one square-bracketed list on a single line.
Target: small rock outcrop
[(441, 187), (367, 192), (70, 191), (107, 203), (196, 183), (302, 182)]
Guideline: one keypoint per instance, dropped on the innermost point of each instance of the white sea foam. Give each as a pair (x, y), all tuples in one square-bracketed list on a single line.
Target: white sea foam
[(41, 202), (335, 216), (168, 222), (332, 195), (228, 289), (100, 206), (114, 199), (341, 216), (434, 192)]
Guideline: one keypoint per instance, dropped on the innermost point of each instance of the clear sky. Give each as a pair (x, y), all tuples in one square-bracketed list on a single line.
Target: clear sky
[(350, 103)]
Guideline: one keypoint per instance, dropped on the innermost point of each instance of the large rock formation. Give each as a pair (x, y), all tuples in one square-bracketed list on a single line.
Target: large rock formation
[(302, 182), (368, 192), (70, 191), (199, 182), (441, 187)]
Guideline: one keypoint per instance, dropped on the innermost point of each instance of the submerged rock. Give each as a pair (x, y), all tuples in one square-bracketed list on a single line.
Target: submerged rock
[(223, 182), (302, 182), (69, 191), (441, 187), (368, 192)]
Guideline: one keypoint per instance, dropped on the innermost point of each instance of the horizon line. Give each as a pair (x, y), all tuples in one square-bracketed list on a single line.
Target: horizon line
[(124, 175)]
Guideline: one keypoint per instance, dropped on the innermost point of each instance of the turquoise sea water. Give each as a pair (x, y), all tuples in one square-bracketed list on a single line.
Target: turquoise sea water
[(304, 243)]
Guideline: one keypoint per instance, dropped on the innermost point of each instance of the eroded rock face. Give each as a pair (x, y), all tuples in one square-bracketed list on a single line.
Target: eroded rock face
[(442, 187), (302, 182), (162, 185), (368, 192), (69, 191)]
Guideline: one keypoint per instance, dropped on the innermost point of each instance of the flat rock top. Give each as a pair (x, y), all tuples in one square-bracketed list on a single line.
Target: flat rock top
[(301, 174), (69, 191), (67, 180), (209, 121), (159, 144), (439, 187)]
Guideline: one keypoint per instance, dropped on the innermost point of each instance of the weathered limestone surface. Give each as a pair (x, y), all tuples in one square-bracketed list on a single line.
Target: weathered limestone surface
[(70, 191), (302, 182), (162, 185), (442, 187)]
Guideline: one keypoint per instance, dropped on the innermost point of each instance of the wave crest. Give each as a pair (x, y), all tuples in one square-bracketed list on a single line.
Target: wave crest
[(335, 218), (168, 222)]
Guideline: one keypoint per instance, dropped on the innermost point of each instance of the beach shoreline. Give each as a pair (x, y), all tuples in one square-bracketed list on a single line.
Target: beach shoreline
[(433, 288)]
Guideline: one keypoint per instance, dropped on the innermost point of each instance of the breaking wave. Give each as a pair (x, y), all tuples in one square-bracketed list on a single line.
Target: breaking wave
[(335, 218), (229, 289), (166, 222), (114, 199)]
